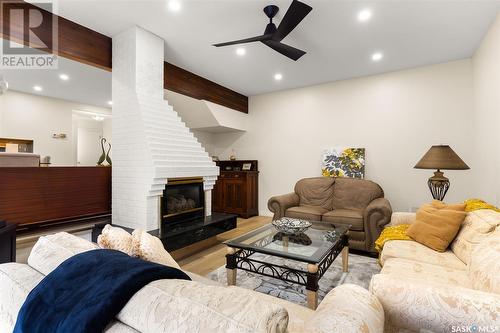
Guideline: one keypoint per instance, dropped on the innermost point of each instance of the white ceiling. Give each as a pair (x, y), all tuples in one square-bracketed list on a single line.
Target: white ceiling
[(408, 33), (87, 84)]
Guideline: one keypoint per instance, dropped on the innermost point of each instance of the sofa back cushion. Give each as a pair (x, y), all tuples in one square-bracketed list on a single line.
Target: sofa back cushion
[(477, 225), (50, 251), (189, 306), (484, 264), (317, 191), (354, 193)]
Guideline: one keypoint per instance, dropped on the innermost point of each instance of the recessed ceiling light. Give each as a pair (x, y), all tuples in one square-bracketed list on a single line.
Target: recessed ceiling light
[(64, 77), (110, 102), (174, 5), (241, 51), (377, 56), (278, 76), (37, 88), (98, 118), (364, 15)]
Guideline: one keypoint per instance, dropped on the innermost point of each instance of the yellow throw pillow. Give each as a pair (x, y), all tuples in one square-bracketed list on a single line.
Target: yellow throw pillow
[(437, 224)]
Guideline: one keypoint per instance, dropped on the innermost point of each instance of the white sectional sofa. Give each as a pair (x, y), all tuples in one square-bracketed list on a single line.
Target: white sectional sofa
[(194, 306), (455, 291)]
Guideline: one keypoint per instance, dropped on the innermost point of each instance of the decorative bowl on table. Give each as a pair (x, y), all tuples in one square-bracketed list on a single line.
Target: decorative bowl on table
[(291, 226)]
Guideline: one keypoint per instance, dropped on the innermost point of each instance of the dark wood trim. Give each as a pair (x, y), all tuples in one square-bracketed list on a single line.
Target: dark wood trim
[(184, 82), (48, 196), (87, 46)]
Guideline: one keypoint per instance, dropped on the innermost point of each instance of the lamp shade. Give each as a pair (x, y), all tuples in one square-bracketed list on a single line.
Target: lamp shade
[(441, 157)]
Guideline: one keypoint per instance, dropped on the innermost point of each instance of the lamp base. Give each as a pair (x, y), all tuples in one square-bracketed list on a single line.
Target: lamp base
[(439, 185)]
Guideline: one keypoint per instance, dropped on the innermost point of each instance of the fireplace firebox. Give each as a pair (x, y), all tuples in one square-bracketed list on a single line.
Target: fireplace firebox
[(183, 200)]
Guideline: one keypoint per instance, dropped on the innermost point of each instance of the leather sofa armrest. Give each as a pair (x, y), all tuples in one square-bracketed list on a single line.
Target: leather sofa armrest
[(415, 305), (377, 214), (279, 204), (398, 218), (348, 308)]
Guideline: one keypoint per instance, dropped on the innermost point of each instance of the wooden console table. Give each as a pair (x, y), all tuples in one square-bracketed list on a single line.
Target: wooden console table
[(32, 196)]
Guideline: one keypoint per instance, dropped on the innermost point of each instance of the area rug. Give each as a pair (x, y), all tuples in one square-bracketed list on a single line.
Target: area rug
[(361, 270)]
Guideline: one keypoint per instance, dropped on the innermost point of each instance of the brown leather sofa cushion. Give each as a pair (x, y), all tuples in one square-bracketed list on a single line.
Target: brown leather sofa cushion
[(353, 193), (317, 191), (345, 217), (309, 213)]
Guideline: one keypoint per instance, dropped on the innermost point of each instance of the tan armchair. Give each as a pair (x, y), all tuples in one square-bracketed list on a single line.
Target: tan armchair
[(356, 202)]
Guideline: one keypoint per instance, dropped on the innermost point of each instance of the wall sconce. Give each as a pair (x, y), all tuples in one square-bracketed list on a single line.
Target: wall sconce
[(59, 136)]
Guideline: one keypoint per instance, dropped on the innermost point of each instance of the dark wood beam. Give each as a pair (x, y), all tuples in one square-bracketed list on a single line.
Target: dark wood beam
[(87, 46), (75, 41), (183, 82)]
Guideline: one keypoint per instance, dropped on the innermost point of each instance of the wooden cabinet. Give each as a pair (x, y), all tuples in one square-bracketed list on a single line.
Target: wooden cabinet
[(236, 190)]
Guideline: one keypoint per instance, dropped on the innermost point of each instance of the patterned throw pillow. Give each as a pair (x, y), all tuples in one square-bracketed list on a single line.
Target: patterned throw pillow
[(115, 238), (476, 227), (485, 264), (150, 248)]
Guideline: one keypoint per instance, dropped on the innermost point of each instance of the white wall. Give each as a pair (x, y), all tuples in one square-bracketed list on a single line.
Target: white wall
[(35, 117), (395, 116), (486, 65)]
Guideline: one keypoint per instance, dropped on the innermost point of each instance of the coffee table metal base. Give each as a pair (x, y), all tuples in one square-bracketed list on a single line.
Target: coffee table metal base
[(241, 259)]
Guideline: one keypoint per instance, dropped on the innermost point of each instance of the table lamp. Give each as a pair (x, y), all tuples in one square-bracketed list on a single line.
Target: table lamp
[(441, 158)]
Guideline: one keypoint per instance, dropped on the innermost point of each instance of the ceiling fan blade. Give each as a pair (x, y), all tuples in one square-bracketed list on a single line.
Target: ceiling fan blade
[(246, 40), (286, 50), (294, 15)]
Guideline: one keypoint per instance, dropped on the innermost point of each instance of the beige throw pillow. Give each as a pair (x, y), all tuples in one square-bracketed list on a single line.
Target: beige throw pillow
[(150, 248), (437, 224), (115, 238), (477, 226), (485, 264)]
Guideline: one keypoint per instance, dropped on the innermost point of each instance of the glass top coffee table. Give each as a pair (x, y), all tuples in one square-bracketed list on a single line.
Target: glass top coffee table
[(317, 248)]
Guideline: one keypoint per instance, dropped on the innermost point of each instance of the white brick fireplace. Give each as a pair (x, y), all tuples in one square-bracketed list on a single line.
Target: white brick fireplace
[(150, 142)]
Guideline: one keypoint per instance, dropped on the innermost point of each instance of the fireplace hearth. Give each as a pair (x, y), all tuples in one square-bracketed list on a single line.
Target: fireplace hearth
[(183, 201)]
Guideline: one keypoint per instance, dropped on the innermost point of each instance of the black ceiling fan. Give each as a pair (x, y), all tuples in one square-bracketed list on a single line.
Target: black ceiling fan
[(273, 36)]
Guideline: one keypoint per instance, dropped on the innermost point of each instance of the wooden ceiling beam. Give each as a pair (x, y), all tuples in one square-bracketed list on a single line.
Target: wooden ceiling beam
[(87, 46)]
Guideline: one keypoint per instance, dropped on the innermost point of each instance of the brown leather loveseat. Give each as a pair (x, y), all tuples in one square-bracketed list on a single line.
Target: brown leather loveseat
[(357, 202)]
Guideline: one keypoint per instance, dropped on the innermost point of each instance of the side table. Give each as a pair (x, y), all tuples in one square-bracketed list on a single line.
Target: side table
[(7, 242)]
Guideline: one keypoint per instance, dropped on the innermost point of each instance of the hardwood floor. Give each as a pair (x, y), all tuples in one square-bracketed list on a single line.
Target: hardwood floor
[(213, 252)]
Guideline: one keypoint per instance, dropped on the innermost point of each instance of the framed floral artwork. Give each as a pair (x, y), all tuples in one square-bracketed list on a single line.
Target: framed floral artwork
[(344, 162)]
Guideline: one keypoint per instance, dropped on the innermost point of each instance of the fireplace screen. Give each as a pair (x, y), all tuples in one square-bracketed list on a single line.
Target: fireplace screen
[(183, 200)]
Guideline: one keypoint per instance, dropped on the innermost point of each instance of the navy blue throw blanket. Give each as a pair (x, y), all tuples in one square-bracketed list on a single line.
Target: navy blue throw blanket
[(87, 291)]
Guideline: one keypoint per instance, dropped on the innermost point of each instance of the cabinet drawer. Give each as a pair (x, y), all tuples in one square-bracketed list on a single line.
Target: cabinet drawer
[(232, 175)]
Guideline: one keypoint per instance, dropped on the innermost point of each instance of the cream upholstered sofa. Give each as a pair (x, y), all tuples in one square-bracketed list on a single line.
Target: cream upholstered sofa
[(200, 305), (422, 289)]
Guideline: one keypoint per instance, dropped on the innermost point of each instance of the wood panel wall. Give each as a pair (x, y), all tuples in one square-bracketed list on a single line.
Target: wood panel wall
[(82, 44), (40, 195)]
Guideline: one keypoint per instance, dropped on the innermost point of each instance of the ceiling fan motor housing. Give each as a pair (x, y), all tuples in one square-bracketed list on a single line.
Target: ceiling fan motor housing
[(271, 11)]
